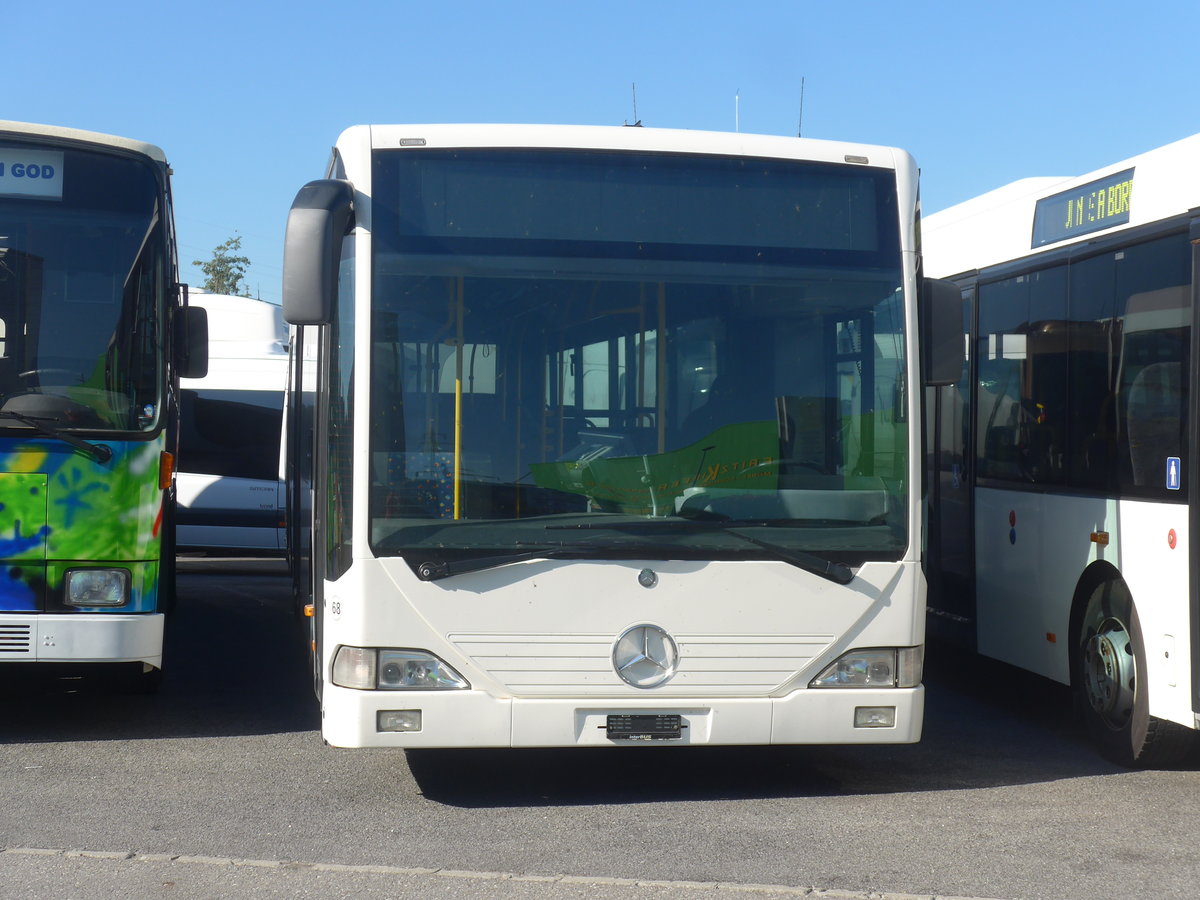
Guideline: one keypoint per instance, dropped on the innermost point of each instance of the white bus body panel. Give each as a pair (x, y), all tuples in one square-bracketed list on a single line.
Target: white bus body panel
[(356, 143), (476, 719), (89, 637), (534, 639), (224, 493), (1024, 619), (247, 353)]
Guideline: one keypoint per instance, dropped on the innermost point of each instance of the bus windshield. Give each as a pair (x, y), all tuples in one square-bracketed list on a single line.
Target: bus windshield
[(82, 259), (570, 345)]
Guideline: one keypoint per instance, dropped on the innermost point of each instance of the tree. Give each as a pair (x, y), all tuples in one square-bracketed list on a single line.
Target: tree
[(225, 271)]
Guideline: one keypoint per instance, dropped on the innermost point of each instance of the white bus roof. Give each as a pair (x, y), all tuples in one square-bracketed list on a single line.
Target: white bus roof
[(242, 327), (998, 226), (29, 129), (620, 137)]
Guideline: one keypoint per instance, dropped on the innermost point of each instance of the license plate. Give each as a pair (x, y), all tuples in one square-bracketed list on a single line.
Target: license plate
[(645, 728)]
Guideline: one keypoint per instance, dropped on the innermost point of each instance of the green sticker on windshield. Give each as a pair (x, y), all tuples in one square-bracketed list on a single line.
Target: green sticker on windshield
[(736, 457)]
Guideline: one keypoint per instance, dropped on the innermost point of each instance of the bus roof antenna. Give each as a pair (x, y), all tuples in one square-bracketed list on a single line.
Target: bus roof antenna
[(800, 123), (637, 123)]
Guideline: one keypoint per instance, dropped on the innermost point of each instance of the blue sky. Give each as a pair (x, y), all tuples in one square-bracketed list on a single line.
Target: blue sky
[(247, 98)]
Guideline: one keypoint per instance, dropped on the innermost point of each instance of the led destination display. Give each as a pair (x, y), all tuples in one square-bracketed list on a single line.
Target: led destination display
[(1090, 207)]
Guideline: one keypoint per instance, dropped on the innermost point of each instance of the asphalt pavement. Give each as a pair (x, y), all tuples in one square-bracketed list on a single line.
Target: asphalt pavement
[(220, 786)]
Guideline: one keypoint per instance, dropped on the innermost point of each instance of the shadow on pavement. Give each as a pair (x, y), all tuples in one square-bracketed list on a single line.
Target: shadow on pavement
[(987, 725), (234, 664), (237, 665)]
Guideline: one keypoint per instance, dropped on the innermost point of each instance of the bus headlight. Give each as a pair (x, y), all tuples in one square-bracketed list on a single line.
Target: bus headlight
[(878, 668), (96, 587), (355, 667), (376, 669)]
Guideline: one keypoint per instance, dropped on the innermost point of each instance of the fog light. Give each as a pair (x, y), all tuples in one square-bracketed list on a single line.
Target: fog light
[(97, 587), (398, 720), (874, 717)]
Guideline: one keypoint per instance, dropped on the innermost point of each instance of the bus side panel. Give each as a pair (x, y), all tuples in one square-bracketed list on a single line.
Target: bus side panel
[(1029, 574), (1027, 571), (1153, 560)]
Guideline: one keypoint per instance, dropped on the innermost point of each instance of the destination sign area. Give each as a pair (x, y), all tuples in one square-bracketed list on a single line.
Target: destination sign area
[(1090, 207), (31, 173)]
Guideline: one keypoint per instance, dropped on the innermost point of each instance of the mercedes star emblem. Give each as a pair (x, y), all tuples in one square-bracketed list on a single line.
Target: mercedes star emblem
[(645, 656)]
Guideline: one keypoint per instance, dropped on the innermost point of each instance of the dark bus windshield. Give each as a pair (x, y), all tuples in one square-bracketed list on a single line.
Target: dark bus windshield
[(565, 338), (82, 265)]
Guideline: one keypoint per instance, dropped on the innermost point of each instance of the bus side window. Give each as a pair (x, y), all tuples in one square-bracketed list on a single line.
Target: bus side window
[(1153, 421), (1154, 301)]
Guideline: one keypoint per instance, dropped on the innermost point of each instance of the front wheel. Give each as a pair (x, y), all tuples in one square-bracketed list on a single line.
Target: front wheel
[(1111, 675)]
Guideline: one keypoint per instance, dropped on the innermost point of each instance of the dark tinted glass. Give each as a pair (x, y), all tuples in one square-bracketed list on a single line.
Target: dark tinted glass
[(587, 334), (82, 276), (1086, 386), (230, 433)]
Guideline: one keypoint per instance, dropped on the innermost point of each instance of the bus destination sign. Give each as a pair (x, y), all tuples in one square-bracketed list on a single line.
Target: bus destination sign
[(1090, 207), (31, 173)]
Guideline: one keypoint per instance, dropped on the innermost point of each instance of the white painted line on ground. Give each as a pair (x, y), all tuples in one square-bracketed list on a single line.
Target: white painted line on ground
[(717, 887)]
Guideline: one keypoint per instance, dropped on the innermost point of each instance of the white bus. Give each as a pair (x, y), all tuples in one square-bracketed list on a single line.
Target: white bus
[(613, 442), (230, 483), (1063, 517)]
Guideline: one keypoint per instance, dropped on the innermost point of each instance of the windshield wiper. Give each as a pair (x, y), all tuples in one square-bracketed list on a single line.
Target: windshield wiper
[(99, 452), (809, 562), (436, 571)]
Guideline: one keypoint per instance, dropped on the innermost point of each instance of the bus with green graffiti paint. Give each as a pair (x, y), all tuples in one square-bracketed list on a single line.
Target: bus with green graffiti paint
[(609, 437), (94, 334)]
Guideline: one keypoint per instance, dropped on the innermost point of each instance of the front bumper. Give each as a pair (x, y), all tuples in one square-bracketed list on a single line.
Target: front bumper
[(476, 719), (81, 638)]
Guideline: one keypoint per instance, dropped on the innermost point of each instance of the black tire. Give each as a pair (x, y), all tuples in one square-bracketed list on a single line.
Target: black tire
[(148, 681), (1111, 678), (136, 679)]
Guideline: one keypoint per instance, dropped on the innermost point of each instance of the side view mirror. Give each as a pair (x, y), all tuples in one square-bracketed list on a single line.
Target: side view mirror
[(941, 319), (320, 216), (192, 343)]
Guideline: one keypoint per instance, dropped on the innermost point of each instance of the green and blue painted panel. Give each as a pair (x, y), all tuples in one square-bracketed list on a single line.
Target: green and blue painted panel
[(60, 508)]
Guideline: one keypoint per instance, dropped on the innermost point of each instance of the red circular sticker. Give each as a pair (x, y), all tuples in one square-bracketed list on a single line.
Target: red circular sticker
[(1171, 539)]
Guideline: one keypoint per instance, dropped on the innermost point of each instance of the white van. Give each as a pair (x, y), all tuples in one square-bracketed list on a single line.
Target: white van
[(230, 486)]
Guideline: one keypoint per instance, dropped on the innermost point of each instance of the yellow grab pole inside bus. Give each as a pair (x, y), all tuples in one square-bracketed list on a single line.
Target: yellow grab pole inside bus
[(660, 386)]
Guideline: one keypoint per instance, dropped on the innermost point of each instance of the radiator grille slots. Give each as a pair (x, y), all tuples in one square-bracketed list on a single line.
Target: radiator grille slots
[(709, 665), (15, 639)]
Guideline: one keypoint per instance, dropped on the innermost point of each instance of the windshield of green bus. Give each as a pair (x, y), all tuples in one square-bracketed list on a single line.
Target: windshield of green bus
[(579, 349), (82, 268)]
